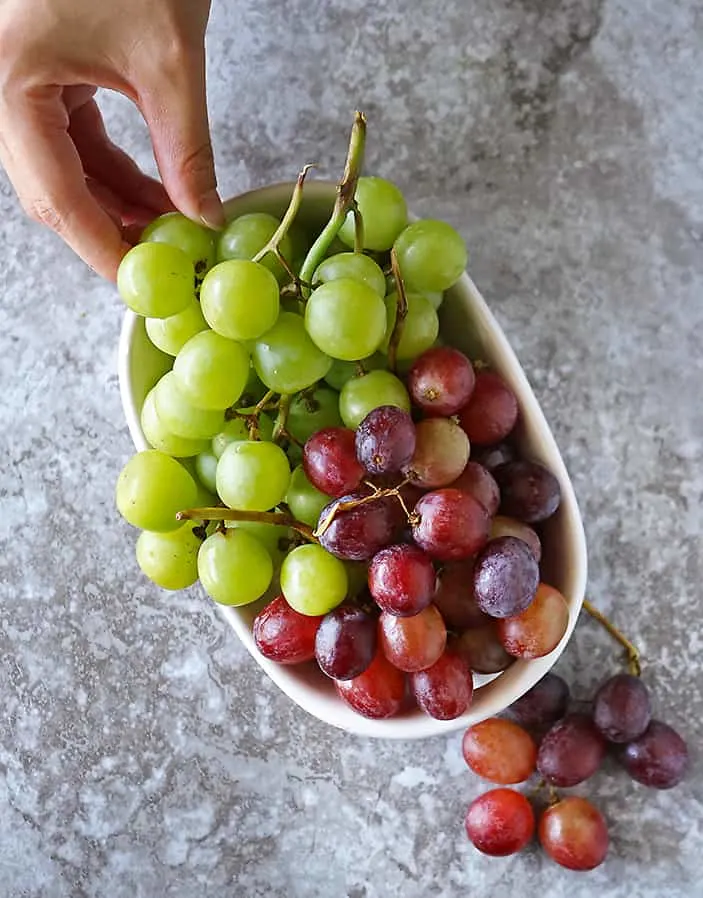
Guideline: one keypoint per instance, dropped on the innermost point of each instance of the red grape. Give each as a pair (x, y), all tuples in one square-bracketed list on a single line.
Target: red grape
[(330, 462), (503, 526), (492, 456), (538, 630), (402, 579), (574, 834), (506, 577), (346, 642), (455, 596), (378, 693), (444, 690), (451, 525), (413, 643), (571, 751), (441, 453), (282, 634), (543, 704), (658, 759), (528, 491), (621, 708), (500, 822), (385, 440), (482, 650), (441, 381), (356, 534), (491, 412), (500, 751), (477, 481)]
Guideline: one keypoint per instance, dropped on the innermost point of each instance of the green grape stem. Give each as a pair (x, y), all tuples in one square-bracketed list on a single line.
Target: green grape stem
[(633, 655), (280, 429), (280, 519), (401, 314), (358, 228), (291, 212)]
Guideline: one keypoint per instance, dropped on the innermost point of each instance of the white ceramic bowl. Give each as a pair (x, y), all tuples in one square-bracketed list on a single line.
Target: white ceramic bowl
[(467, 324)]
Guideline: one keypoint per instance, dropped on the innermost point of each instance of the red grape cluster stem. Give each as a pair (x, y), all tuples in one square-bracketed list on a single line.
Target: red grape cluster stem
[(401, 313), (279, 519), (351, 504), (633, 655)]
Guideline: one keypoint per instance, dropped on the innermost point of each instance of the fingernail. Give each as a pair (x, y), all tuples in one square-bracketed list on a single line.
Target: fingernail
[(211, 212)]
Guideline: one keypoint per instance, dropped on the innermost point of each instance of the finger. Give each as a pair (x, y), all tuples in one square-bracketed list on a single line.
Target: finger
[(76, 95), (122, 213)]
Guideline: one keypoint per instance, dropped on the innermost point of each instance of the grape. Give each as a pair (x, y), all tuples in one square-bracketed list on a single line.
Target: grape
[(283, 635), (538, 630), (169, 559), (352, 266), (211, 371), (571, 751), (377, 693), (362, 395), (480, 484), (254, 390), (244, 237), (528, 491), (402, 580), (151, 489), (357, 534), (385, 440), (658, 758), (500, 751), (491, 412), (383, 212), (162, 439), (197, 242), (206, 469), (346, 319), (330, 462), (492, 456), (237, 429), (240, 299), (234, 568), (545, 703), (252, 476), (482, 650), (340, 372), (313, 581), (500, 822), (441, 381), (180, 416), (304, 500), (275, 538), (455, 597), (420, 327), (171, 334), (156, 280), (503, 526), (286, 359), (431, 256), (574, 834), (444, 691), (345, 644), (441, 453), (506, 577), (309, 413), (452, 525), (413, 643), (621, 708)]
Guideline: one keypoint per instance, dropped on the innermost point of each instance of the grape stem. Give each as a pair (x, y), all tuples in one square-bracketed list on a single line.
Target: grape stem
[(633, 655), (291, 212), (358, 228), (344, 203), (400, 315), (280, 519), (351, 504), (280, 429)]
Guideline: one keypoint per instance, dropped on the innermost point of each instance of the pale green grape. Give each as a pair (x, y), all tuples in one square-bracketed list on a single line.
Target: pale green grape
[(431, 256), (420, 327), (237, 429), (180, 416), (312, 412), (383, 211), (211, 371), (170, 559), (206, 469), (239, 299), (273, 537), (156, 280), (253, 476), (304, 500), (340, 372), (151, 489), (159, 437), (363, 394), (234, 567), (244, 237), (171, 334), (286, 359), (313, 581), (346, 319), (352, 266), (196, 241)]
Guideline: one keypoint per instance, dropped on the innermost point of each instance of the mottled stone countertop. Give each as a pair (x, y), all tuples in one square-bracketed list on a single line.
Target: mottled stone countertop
[(142, 753)]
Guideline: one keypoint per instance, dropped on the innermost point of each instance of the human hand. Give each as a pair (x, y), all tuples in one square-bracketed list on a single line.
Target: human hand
[(53, 144)]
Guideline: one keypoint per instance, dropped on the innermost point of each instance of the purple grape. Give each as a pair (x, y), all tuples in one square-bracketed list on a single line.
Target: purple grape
[(571, 751), (545, 703), (621, 708), (385, 440), (658, 759), (528, 491), (345, 644), (357, 534), (492, 456), (506, 577)]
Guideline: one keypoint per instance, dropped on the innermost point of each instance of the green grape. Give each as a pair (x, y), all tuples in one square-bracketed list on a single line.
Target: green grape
[(420, 327), (206, 468), (352, 266), (383, 212), (363, 394), (300, 243), (197, 242), (431, 256), (254, 390), (295, 455), (151, 489), (304, 500), (309, 413), (162, 439), (180, 416), (435, 299), (239, 299), (346, 319), (211, 371), (286, 359), (274, 538), (170, 559), (234, 567), (340, 372), (244, 237), (156, 280), (313, 581), (357, 577), (253, 476), (237, 429), (336, 247), (171, 334)]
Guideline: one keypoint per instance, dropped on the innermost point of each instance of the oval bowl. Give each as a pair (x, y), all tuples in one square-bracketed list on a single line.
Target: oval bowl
[(467, 323)]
